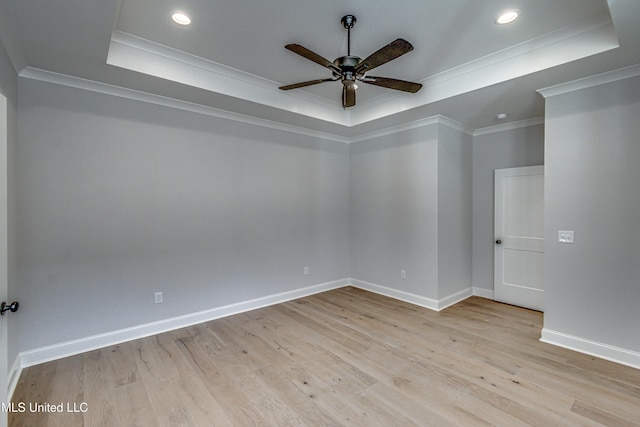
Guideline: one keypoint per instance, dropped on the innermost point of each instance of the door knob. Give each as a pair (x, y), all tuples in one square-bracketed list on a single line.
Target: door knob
[(13, 307), (498, 242)]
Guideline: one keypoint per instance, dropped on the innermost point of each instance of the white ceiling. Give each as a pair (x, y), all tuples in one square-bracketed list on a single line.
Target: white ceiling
[(232, 57)]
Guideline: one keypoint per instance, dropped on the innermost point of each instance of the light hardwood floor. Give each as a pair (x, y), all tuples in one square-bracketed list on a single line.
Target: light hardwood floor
[(344, 357)]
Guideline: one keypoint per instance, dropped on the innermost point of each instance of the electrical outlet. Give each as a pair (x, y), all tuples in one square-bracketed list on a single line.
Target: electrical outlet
[(403, 274), (158, 297), (306, 270)]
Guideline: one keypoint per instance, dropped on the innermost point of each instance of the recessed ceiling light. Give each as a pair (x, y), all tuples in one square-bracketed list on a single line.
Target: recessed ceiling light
[(501, 116), (181, 18), (506, 17)]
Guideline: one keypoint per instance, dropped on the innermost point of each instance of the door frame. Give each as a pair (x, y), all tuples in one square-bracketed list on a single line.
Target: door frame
[(4, 257)]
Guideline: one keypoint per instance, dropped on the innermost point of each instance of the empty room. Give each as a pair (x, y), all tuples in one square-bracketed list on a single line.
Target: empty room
[(418, 213)]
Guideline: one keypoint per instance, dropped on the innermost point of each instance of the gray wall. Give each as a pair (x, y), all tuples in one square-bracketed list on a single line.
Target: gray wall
[(8, 88), (591, 186), (394, 211), (119, 199), (498, 150), (411, 210), (454, 211)]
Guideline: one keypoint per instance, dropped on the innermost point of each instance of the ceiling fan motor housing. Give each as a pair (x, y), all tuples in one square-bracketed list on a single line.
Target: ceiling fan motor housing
[(348, 66)]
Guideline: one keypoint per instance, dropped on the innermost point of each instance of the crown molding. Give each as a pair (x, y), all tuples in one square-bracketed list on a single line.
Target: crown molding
[(427, 121), (151, 58), (135, 95), (509, 126), (455, 125), (585, 38), (591, 81), (118, 91)]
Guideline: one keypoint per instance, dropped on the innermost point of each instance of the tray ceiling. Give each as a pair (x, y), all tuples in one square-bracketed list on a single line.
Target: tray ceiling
[(232, 56)]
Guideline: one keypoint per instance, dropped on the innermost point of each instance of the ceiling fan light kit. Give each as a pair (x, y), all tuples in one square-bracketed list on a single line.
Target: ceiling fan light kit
[(350, 69)]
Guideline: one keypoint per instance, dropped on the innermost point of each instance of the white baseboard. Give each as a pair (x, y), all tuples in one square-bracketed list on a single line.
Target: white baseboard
[(483, 293), (593, 348), (394, 293), (425, 302), (13, 376), (73, 347), (454, 298), (70, 348)]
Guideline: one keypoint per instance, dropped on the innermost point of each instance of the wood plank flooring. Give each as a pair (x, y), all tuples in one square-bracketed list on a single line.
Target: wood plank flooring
[(341, 358)]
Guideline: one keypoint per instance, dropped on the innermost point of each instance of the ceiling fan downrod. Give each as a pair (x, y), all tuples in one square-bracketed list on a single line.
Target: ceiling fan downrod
[(348, 22), (348, 63)]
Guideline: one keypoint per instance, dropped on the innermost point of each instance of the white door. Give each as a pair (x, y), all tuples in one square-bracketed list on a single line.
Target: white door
[(3, 258), (519, 236)]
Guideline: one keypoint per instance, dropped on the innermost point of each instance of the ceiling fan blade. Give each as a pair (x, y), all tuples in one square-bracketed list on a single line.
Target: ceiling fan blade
[(392, 83), (348, 95), (383, 55), (312, 56), (303, 84)]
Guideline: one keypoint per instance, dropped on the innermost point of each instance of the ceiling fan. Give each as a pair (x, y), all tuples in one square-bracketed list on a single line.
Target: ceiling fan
[(350, 69)]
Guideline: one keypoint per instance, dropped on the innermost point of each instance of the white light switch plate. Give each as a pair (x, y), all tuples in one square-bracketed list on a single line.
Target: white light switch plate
[(565, 236)]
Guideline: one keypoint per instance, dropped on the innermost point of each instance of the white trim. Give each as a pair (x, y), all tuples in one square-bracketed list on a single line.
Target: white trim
[(425, 302), (555, 39), (13, 377), (585, 38), (483, 293), (593, 348), (427, 121), (4, 249), (81, 345), (144, 56), (136, 95), (431, 304), (69, 348), (139, 44), (591, 81), (454, 298), (494, 68), (509, 126), (455, 125)]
